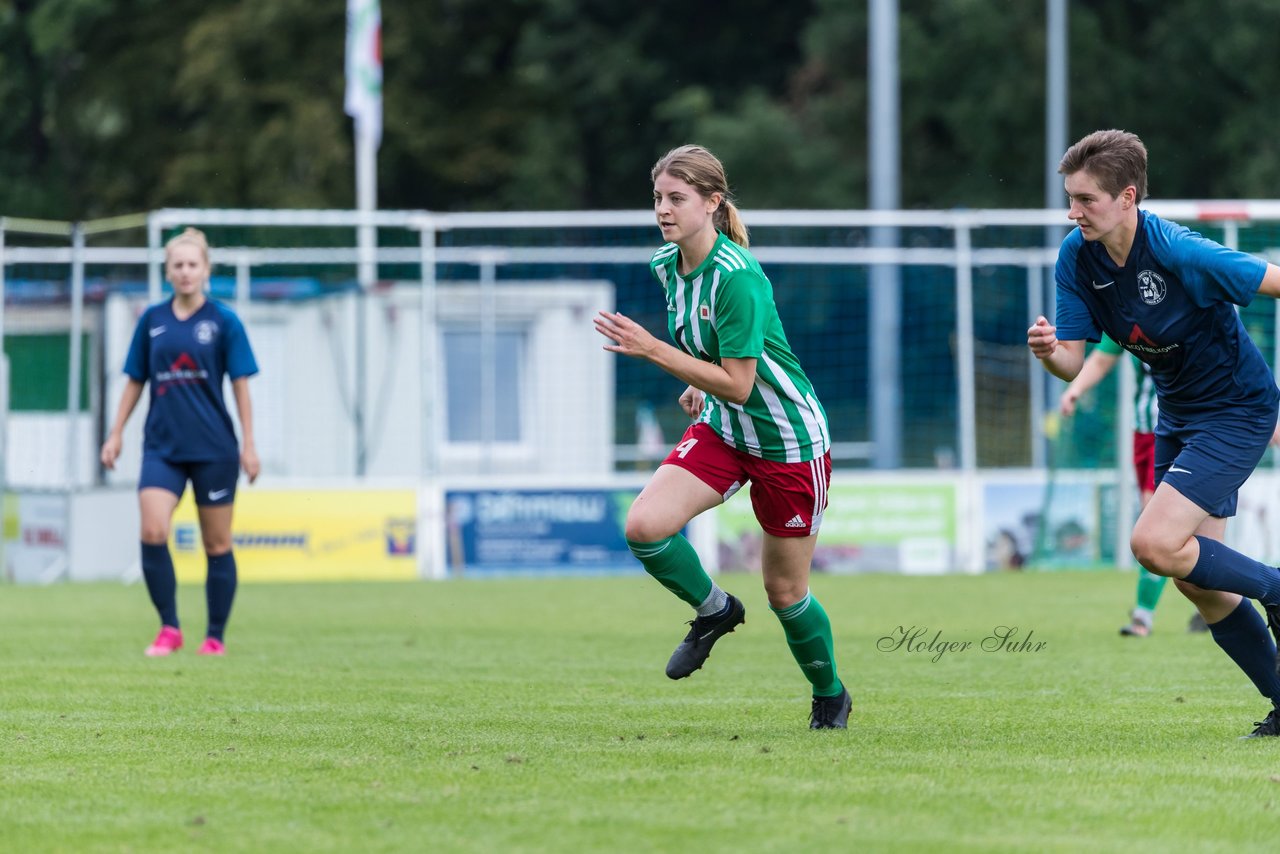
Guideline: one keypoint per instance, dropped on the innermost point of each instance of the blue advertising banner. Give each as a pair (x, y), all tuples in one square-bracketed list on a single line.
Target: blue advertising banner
[(538, 531)]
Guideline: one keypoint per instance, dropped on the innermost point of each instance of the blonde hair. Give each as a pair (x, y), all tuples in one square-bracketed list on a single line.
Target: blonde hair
[(195, 237), (703, 171)]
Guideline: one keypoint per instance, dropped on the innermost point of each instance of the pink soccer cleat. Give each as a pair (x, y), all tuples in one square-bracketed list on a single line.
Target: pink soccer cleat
[(211, 646), (169, 640)]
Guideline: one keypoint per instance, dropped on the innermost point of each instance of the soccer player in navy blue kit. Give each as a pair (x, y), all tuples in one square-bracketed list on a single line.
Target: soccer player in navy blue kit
[(184, 347), (1168, 296)]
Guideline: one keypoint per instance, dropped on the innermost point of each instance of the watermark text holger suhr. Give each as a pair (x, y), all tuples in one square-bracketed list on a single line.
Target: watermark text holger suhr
[(919, 639)]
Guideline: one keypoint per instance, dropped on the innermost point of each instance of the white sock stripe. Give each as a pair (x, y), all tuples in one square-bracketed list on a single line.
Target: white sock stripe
[(796, 609), (639, 550)]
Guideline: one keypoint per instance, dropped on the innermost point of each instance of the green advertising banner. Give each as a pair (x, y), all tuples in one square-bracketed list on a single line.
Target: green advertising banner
[(880, 526)]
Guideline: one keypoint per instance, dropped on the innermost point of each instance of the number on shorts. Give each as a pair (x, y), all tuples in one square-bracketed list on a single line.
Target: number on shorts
[(685, 447)]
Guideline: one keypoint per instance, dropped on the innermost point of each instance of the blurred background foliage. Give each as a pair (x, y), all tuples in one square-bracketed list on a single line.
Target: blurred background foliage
[(115, 106)]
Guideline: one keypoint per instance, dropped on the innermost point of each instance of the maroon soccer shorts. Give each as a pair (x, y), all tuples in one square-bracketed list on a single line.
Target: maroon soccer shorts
[(788, 498), (1144, 460)]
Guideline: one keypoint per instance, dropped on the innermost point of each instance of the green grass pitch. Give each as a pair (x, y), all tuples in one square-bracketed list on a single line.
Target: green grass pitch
[(533, 715)]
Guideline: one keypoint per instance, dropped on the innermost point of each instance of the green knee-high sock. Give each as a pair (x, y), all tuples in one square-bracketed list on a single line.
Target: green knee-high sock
[(808, 634), (675, 564), (1150, 586)]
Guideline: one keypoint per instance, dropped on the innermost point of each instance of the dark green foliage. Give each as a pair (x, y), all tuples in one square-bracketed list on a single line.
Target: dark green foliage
[(114, 106)]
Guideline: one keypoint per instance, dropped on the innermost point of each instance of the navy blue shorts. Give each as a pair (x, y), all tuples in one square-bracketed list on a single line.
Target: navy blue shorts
[(214, 481), (1207, 460)]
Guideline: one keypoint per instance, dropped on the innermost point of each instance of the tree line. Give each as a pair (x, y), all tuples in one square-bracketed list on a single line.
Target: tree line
[(115, 106)]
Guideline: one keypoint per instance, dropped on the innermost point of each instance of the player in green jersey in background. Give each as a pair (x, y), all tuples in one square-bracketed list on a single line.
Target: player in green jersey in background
[(1145, 412), (756, 419)]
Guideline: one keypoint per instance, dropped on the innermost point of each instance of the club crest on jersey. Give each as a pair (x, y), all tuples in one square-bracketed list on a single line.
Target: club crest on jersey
[(1151, 287), (206, 331), (704, 311)]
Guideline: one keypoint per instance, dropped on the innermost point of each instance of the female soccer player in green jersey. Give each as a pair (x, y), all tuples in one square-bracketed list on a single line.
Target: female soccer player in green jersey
[(1145, 412), (756, 418)]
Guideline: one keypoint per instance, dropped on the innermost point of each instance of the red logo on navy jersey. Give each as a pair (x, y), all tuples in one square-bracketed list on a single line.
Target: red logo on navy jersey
[(1137, 336), (1140, 343), (183, 370)]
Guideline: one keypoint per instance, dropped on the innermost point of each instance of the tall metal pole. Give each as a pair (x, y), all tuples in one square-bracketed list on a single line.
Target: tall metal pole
[(77, 330), (155, 262), (4, 393), (1055, 122), (1055, 137), (428, 359), (886, 283), (428, 542), (363, 102)]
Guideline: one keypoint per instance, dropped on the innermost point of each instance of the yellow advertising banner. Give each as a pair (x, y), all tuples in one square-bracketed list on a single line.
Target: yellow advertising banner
[(308, 535)]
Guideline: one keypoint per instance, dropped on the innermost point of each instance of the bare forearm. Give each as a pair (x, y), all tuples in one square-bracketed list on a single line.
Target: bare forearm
[(1063, 364), (1095, 368), (128, 401), (707, 376), (1060, 358), (244, 407)]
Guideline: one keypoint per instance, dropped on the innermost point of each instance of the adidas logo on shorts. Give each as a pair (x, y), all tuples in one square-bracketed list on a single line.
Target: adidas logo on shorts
[(797, 522)]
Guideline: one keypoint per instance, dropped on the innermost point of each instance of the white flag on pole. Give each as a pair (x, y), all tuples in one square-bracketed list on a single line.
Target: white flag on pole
[(364, 67)]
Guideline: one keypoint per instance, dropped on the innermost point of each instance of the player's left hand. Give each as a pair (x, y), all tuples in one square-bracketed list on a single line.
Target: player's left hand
[(691, 401), (627, 336), (249, 462)]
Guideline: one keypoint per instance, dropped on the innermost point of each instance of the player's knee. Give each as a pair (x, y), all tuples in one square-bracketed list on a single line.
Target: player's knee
[(782, 593), (154, 533), (1152, 552), (643, 528)]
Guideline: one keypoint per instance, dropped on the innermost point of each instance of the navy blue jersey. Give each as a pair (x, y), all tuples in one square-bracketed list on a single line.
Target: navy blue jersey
[(185, 361), (1171, 305)]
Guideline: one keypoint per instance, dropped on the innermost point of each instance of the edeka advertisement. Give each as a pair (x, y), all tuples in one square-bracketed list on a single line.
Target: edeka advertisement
[(309, 535), (532, 531), (868, 527)]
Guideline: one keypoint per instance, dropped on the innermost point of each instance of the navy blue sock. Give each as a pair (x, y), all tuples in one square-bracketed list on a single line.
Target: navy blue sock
[(1244, 636), (220, 591), (1221, 568), (162, 584)]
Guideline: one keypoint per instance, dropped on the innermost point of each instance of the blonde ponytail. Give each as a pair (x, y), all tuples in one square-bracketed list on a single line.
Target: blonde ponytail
[(729, 222)]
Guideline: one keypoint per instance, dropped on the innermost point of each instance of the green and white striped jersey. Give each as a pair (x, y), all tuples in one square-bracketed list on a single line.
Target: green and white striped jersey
[(725, 309), (1146, 410)]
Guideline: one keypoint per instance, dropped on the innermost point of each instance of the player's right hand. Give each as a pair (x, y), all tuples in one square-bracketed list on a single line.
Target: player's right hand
[(1042, 338)]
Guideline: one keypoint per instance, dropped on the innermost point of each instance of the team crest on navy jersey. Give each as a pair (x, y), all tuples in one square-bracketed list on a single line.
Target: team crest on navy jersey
[(206, 331), (1151, 287)]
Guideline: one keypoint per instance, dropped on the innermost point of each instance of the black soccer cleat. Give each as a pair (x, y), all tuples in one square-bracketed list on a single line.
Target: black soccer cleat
[(831, 712), (703, 634), (1268, 726)]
